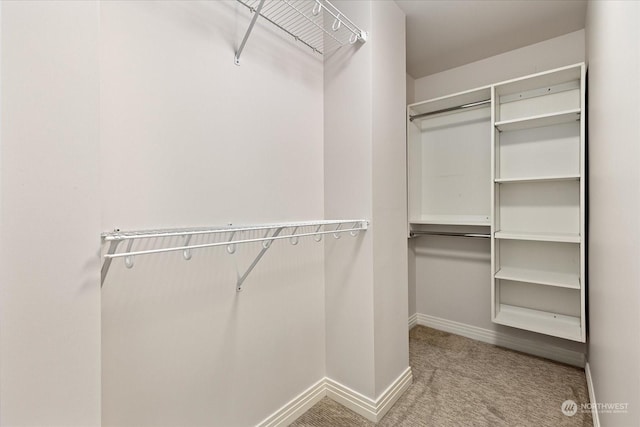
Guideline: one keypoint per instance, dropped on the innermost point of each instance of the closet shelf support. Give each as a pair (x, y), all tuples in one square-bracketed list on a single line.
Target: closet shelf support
[(265, 247), (256, 13)]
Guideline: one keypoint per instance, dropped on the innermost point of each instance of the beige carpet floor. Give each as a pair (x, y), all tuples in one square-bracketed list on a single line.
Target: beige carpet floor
[(461, 382)]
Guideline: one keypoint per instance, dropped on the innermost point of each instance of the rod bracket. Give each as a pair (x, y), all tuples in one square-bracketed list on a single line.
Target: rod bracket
[(265, 248)]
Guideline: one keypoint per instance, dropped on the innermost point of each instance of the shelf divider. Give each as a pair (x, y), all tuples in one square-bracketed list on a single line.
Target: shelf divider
[(539, 277), (550, 178), (559, 325), (539, 121), (540, 237)]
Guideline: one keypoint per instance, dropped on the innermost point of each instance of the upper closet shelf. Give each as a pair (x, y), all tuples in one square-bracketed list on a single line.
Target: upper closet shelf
[(311, 22), (479, 220)]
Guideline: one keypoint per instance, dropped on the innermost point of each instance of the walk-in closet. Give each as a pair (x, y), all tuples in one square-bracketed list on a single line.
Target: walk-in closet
[(319, 213)]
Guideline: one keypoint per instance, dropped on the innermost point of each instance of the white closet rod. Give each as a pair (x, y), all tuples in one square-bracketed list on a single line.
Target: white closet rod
[(447, 110), (272, 232)]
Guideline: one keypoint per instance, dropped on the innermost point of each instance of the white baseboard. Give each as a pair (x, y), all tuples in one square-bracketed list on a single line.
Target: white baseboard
[(297, 406), (592, 396), (371, 409), (547, 351), (413, 320)]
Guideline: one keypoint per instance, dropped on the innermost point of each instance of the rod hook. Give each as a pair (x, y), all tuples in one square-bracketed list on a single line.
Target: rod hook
[(294, 239), (186, 254), (128, 260), (267, 243), (336, 233), (354, 232), (336, 23), (316, 8), (318, 237), (231, 248)]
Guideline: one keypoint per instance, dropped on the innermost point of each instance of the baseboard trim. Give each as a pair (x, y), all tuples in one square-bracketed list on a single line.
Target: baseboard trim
[(297, 406), (351, 399), (547, 351), (391, 395), (373, 410), (592, 396), (413, 320)]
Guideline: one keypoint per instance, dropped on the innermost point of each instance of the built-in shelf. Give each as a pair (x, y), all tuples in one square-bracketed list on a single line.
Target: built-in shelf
[(543, 79), (540, 277), (540, 237), (538, 179), (539, 121), (467, 220), (544, 322)]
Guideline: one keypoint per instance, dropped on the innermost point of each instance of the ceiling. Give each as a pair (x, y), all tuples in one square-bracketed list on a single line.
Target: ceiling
[(443, 34)]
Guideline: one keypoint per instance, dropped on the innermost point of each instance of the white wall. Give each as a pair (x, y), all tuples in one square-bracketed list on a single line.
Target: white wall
[(49, 215), (132, 115), (190, 139), (452, 275), (614, 201), (553, 53), (366, 293)]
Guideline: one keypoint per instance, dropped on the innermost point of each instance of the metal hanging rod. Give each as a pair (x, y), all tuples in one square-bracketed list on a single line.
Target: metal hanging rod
[(447, 110), (232, 237), (442, 233), (304, 21)]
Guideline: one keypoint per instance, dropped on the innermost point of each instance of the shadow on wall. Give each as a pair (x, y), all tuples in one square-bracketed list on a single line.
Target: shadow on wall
[(203, 21)]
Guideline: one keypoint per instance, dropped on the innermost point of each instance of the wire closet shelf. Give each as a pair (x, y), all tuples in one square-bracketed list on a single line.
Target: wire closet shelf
[(311, 22), (229, 236)]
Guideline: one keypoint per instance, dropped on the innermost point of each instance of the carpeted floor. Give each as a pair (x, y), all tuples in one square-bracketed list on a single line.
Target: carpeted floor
[(461, 382)]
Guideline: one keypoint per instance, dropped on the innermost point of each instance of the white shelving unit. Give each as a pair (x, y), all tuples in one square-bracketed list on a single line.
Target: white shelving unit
[(538, 257), (509, 159), (449, 162)]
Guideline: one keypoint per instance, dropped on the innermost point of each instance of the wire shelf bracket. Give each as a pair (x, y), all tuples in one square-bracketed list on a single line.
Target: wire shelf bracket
[(228, 236), (304, 20)]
